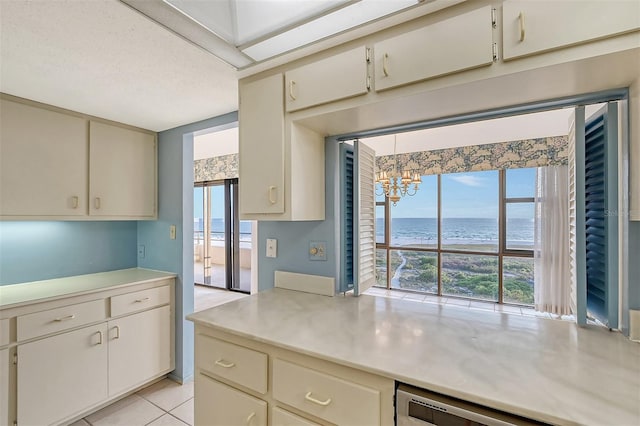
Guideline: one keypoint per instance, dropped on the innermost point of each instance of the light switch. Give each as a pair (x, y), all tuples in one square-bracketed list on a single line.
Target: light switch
[(272, 247), (172, 232), (141, 251)]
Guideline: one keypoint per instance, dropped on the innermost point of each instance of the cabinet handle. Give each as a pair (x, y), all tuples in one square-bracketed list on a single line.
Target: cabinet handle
[(251, 417), (291, 85), (144, 299), (223, 364), (67, 318), (272, 198), (522, 28), (74, 202), (99, 333), (385, 59), (324, 403), (117, 330), (96, 203)]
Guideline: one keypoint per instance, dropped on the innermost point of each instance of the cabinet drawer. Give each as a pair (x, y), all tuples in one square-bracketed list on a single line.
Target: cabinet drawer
[(139, 300), (243, 366), (282, 417), (59, 319), (4, 332), (324, 396), (220, 405)]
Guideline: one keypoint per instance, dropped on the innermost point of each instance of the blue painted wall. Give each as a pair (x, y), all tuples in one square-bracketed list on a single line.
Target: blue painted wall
[(294, 237), (175, 207), (32, 251)]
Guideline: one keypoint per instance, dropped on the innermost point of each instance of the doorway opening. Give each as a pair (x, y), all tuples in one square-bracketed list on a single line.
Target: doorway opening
[(222, 242)]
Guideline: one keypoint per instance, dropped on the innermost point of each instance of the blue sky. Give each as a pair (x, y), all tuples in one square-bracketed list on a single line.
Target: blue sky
[(468, 195)]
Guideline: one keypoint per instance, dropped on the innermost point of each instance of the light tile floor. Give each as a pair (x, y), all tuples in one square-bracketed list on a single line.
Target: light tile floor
[(167, 403)]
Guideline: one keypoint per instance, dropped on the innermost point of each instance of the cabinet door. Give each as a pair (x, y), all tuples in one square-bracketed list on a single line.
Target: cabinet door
[(62, 375), (122, 169), (337, 77), (262, 149), (4, 387), (139, 348), (220, 405), (43, 162), (456, 44), (537, 26)]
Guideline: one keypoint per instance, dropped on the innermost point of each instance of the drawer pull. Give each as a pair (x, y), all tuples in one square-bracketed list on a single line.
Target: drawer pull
[(522, 28), (144, 299), (74, 202), (99, 333), (96, 203), (251, 417), (224, 364), (324, 403), (117, 330), (67, 318)]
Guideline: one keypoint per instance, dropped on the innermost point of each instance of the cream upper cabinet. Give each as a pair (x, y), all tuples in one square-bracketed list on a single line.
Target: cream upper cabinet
[(61, 375), (147, 336), (261, 150), (452, 45), (531, 27), (43, 162), (281, 163), (337, 77), (122, 167)]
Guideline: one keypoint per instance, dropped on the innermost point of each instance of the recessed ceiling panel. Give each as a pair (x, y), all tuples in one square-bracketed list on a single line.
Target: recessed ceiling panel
[(217, 16)]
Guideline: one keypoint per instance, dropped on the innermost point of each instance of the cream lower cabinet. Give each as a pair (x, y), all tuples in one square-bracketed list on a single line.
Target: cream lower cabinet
[(76, 354), (61, 375), (139, 347), (4, 387), (243, 382)]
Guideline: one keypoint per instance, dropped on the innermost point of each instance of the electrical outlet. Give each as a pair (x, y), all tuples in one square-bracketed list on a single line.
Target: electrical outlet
[(172, 232), (141, 251)]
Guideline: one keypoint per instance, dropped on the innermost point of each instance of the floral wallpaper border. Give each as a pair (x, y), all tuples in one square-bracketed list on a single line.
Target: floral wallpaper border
[(550, 151), (216, 168)]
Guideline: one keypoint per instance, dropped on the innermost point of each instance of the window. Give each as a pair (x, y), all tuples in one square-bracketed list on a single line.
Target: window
[(462, 235)]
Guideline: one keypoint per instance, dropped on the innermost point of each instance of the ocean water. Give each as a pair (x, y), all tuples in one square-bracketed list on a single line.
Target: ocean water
[(424, 231)]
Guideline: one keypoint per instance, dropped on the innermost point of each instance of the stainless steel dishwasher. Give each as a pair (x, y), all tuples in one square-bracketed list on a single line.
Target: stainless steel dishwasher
[(418, 407)]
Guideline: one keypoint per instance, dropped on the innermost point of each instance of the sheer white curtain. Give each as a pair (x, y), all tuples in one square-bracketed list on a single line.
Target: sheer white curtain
[(552, 289)]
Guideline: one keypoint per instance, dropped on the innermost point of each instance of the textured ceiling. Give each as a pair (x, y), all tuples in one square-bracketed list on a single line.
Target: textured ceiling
[(102, 58)]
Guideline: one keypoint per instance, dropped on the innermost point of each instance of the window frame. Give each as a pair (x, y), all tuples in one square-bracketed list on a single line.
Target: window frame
[(501, 253)]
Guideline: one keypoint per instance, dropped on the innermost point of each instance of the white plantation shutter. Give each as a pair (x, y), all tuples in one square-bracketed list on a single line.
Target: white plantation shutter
[(572, 213), (364, 218), (577, 233)]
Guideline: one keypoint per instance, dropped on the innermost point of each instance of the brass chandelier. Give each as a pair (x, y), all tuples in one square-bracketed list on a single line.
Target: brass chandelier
[(396, 185)]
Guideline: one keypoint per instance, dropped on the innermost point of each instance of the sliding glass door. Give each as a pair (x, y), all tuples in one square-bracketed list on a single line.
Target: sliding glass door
[(222, 243)]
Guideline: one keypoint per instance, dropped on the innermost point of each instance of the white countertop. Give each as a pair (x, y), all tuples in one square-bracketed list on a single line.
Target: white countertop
[(15, 295), (548, 370)]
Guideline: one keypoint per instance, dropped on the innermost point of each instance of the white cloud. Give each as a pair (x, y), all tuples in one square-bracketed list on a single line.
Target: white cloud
[(468, 180)]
